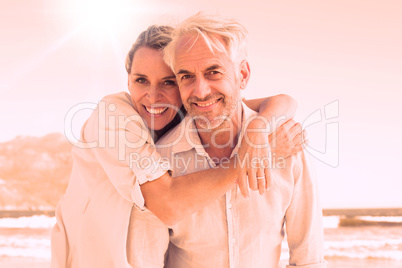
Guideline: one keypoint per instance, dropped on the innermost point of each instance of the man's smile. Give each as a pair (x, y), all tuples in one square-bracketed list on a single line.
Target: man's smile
[(207, 104)]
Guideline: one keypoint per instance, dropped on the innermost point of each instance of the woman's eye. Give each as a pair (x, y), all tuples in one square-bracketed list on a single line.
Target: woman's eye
[(141, 80), (169, 83)]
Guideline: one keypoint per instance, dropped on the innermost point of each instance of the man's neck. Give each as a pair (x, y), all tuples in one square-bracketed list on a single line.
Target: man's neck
[(220, 142)]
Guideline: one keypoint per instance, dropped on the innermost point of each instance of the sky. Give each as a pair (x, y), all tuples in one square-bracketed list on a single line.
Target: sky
[(341, 60)]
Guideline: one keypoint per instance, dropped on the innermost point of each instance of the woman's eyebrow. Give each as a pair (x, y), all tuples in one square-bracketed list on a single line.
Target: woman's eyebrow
[(169, 77), (138, 74)]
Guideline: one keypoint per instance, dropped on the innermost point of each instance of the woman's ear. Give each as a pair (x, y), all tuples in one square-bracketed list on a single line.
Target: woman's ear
[(244, 74)]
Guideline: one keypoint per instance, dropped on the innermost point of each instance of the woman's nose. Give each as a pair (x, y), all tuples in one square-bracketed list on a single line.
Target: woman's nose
[(154, 94)]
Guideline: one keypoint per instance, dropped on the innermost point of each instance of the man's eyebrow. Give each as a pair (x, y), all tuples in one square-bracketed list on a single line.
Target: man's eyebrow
[(210, 68), (181, 71), (213, 67)]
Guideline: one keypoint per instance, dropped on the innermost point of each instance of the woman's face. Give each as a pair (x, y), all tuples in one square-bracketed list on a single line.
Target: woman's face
[(153, 88)]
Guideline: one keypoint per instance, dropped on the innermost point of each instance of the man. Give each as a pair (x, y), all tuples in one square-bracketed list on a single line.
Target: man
[(208, 56)]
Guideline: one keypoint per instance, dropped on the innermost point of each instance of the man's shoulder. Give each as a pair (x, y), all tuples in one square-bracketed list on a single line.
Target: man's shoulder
[(295, 167), (177, 139)]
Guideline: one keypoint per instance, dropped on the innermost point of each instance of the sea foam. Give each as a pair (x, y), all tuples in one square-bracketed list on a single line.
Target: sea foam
[(41, 221)]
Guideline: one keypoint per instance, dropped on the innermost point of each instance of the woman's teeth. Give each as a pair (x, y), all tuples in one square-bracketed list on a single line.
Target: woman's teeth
[(155, 110)]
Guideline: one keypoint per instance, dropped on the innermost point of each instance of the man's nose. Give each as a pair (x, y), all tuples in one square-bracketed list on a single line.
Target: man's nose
[(202, 88), (153, 94)]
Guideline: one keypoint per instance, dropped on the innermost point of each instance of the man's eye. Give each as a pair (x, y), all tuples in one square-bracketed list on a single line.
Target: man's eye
[(185, 77), (214, 74)]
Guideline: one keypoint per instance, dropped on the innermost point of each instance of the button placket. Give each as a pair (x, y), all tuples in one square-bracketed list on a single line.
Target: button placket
[(229, 219)]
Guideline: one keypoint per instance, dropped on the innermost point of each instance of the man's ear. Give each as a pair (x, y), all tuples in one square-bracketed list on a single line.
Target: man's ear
[(244, 74)]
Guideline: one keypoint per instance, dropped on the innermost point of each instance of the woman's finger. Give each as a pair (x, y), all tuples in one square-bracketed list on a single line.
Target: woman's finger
[(267, 164), (300, 138), (242, 179), (252, 180), (297, 148), (261, 180), (295, 130)]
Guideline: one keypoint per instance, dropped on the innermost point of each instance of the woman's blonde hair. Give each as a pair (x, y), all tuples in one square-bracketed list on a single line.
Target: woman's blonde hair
[(155, 37)]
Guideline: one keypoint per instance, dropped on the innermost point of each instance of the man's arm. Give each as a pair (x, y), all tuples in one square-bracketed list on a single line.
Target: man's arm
[(303, 219)]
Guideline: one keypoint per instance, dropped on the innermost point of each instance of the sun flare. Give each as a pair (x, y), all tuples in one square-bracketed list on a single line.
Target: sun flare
[(100, 17)]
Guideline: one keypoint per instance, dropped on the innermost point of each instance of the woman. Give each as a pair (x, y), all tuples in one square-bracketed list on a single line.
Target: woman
[(109, 174)]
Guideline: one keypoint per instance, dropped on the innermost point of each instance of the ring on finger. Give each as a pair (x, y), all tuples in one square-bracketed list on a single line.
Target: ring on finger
[(260, 178)]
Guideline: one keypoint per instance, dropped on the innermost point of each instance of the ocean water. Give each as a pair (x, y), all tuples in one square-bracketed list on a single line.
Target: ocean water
[(26, 237), (29, 237), (370, 241)]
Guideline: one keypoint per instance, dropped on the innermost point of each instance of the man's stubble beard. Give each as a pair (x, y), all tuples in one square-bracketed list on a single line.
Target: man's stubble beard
[(221, 120)]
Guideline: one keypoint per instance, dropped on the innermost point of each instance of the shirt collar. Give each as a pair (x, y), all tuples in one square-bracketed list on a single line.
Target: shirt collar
[(189, 138)]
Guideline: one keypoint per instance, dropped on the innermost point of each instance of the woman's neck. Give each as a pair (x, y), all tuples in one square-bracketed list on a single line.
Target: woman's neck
[(157, 134)]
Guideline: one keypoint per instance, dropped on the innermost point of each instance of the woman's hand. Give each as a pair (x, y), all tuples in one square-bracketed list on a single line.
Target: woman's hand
[(257, 150), (287, 140), (254, 158)]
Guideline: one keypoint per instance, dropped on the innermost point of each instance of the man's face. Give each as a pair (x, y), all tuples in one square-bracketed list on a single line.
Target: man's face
[(209, 88)]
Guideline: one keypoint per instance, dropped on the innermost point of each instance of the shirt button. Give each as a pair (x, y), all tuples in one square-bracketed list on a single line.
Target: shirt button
[(229, 206), (233, 240)]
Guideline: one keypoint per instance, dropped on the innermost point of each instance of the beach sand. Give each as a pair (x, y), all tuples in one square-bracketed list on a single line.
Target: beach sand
[(357, 263), (23, 262), (362, 263), (19, 262)]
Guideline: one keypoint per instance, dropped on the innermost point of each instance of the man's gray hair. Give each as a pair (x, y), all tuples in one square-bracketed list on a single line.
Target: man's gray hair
[(209, 27)]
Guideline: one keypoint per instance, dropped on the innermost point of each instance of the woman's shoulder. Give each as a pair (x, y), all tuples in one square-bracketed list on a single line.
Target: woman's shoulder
[(115, 112), (117, 101), (119, 97), (118, 105)]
